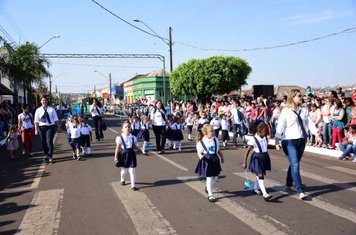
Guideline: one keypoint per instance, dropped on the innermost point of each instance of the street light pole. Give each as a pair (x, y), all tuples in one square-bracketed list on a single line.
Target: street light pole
[(56, 36), (169, 43)]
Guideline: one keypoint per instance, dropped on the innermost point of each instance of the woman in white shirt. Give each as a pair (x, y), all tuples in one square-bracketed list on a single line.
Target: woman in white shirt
[(158, 119), (96, 112), (292, 129), (45, 120)]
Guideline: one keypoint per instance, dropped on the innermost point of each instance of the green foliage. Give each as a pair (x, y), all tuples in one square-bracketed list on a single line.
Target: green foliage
[(214, 75)]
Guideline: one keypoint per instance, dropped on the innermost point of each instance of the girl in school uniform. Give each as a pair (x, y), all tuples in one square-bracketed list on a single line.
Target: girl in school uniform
[(209, 163), (203, 120), (135, 126), (86, 136), (144, 133), (225, 127), (74, 132), (260, 161), (216, 124), (177, 134), (125, 156), (189, 122)]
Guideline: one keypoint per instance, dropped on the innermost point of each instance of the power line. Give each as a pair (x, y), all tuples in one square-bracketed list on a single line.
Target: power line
[(8, 36), (348, 30), (127, 22)]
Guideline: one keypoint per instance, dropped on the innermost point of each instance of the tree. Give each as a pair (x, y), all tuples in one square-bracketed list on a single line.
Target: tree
[(27, 67), (205, 77)]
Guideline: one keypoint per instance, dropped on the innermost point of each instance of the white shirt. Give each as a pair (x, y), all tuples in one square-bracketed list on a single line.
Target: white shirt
[(176, 126), (94, 111), (25, 120), (216, 123), (225, 125), (157, 119), (326, 109), (263, 142), (85, 129), (288, 124), (128, 141), (209, 144), (235, 117), (40, 118), (203, 121), (74, 131), (189, 121), (136, 126), (144, 126)]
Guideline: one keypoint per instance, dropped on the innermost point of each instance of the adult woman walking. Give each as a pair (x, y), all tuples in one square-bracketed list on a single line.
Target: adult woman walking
[(96, 113), (26, 125), (45, 125), (158, 119), (292, 129)]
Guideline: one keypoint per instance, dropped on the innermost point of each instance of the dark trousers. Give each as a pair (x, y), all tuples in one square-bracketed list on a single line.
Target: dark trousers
[(160, 133), (98, 122), (47, 135)]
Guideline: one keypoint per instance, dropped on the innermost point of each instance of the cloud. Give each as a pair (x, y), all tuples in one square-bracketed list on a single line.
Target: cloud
[(316, 18)]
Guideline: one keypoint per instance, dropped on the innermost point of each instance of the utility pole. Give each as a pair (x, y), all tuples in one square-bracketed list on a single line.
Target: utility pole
[(110, 88), (50, 90), (170, 44)]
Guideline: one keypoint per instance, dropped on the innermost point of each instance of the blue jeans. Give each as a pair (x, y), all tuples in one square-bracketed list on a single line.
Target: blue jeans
[(327, 133), (47, 135), (238, 129), (348, 148), (294, 150)]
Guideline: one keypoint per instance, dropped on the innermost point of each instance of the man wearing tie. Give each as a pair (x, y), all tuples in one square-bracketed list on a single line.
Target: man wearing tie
[(45, 121)]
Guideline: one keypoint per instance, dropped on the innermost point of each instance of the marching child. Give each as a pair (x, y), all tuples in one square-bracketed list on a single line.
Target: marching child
[(196, 118), (189, 122), (125, 156), (86, 136), (203, 120), (225, 127), (144, 133), (169, 131), (135, 126), (260, 161), (216, 124), (209, 163), (74, 132), (177, 134), (12, 141)]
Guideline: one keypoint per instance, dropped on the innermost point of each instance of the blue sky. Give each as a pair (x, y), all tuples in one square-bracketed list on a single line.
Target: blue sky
[(211, 24)]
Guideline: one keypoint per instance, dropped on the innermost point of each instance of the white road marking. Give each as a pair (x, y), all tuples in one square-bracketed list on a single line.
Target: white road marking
[(343, 170), (144, 215), (261, 224), (316, 201), (43, 214), (113, 131), (325, 180), (170, 161)]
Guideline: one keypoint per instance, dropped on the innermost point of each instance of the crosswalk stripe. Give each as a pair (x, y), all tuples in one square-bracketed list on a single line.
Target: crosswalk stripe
[(316, 202), (144, 215), (325, 180), (170, 161), (343, 170), (257, 223), (113, 131), (44, 213)]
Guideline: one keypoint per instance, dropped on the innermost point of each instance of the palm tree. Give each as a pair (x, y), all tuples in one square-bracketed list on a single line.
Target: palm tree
[(27, 67)]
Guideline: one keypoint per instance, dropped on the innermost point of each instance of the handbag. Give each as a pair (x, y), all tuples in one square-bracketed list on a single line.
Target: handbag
[(247, 184), (103, 125)]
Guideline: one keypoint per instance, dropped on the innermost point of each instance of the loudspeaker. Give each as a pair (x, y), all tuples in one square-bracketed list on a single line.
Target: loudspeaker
[(265, 90)]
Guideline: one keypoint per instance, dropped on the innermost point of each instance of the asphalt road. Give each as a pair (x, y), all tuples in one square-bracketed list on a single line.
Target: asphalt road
[(85, 197)]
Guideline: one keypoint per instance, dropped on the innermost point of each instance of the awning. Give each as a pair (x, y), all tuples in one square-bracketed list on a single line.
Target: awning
[(5, 91)]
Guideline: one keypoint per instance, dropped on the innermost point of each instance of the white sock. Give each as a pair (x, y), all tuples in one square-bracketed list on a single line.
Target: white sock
[(174, 145), (132, 172), (82, 148), (123, 173), (209, 185), (89, 150), (256, 187), (169, 143), (144, 146), (261, 183), (190, 136), (180, 145)]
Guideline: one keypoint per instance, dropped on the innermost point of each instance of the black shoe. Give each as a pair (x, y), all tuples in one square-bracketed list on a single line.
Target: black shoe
[(206, 189), (123, 183), (159, 152), (212, 199), (97, 139), (162, 151), (46, 160), (89, 155), (134, 189)]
